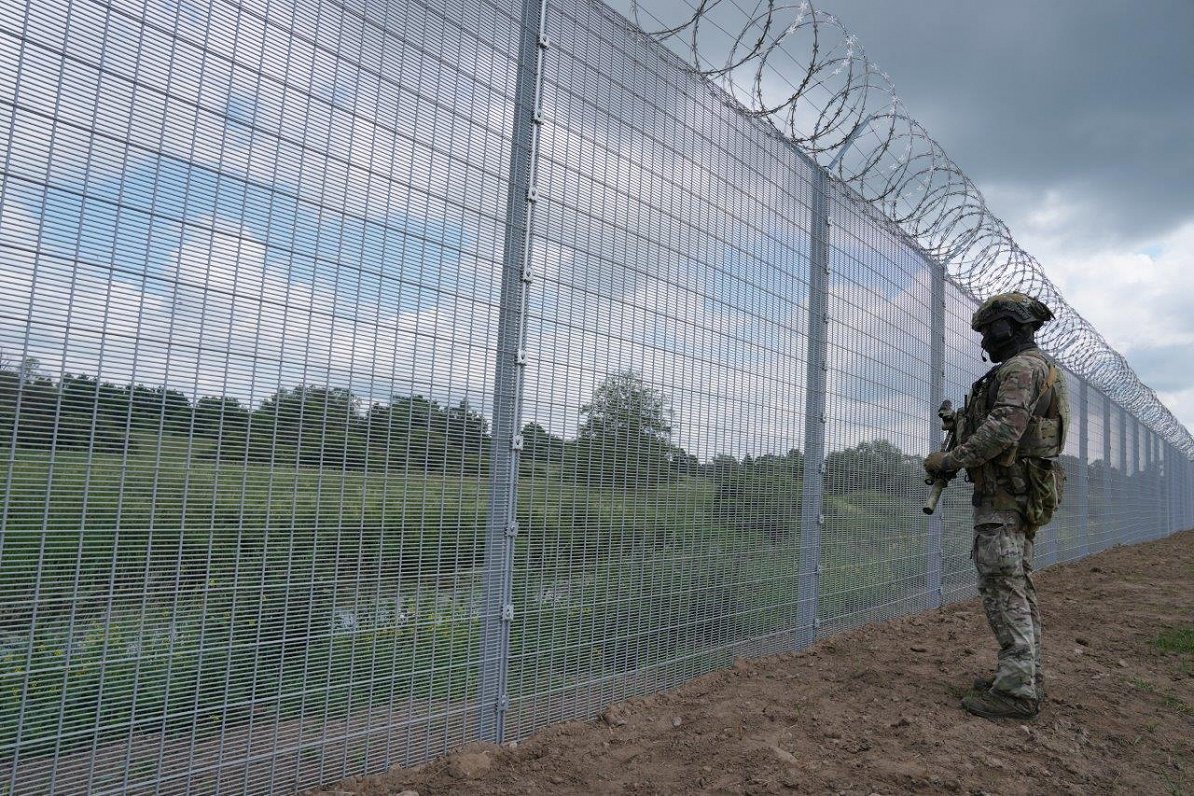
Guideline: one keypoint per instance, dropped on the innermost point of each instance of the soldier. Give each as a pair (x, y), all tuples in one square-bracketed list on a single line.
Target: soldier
[(1010, 432)]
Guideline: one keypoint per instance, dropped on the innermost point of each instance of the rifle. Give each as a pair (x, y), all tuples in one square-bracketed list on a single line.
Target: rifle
[(949, 424)]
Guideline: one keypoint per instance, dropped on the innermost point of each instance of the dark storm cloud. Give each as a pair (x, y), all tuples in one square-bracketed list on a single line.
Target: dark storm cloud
[(1091, 99)]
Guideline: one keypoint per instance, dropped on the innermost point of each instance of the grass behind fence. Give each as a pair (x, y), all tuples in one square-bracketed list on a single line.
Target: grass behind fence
[(169, 592)]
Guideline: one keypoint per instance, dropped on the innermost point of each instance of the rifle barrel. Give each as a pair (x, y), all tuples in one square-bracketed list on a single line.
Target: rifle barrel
[(935, 495)]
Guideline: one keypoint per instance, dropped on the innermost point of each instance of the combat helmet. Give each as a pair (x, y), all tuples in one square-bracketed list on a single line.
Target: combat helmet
[(1019, 307)]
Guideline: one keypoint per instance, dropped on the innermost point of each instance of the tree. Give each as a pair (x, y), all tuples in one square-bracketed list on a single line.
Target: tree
[(759, 496), (420, 434), (540, 449), (876, 465), (27, 406), (226, 421), (624, 408), (625, 436), (318, 426)]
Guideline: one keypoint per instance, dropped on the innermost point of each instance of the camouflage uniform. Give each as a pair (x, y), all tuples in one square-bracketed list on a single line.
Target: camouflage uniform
[(1013, 422)]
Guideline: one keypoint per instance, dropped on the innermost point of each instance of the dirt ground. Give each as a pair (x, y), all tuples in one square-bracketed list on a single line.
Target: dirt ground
[(876, 710)]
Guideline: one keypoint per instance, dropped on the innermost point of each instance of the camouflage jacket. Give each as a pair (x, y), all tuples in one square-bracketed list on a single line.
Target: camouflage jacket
[(1017, 411)]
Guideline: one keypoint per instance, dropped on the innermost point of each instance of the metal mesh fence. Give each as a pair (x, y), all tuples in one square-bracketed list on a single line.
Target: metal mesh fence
[(376, 377)]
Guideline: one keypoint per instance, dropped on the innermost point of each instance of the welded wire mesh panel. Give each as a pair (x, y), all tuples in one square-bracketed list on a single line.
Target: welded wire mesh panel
[(1166, 519), (1118, 495), (873, 543), (1155, 499), (659, 497), (248, 253), (963, 367)]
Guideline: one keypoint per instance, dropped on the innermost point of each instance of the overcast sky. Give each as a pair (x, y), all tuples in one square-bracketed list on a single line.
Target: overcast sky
[(1076, 120)]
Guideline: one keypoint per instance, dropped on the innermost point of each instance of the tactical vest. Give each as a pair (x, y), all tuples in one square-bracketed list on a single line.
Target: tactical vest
[(1023, 478)]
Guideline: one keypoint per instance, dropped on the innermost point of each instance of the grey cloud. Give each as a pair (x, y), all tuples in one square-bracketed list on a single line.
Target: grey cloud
[(1087, 98)]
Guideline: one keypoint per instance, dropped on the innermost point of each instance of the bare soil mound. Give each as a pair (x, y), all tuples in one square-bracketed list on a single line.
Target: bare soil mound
[(876, 710)]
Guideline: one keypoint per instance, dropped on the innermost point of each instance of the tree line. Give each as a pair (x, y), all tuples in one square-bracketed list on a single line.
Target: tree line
[(625, 436), (306, 425)]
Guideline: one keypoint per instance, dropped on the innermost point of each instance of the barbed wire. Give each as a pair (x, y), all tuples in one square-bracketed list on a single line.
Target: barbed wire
[(802, 70)]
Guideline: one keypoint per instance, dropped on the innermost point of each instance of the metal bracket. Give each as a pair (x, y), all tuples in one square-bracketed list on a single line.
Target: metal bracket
[(508, 612), (512, 530), (516, 442), (520, 356), (544, 41), (532, 194), (527, 274)]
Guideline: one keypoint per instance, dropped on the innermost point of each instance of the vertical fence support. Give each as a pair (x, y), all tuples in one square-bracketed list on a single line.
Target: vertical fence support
[(1154, 490), (935, 561), (1160, 458), (1185, 490), (1124, 498), (1132, 484), (497, 607), (812, 516), (1162, 486), (1083, 469), (1105, 504), (1173, 489)]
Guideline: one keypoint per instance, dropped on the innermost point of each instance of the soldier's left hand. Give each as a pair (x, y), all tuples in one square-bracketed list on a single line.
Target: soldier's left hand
[(939, 465)]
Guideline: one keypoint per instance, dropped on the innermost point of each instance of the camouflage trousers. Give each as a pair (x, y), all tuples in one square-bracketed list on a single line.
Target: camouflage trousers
[(1003, 557)]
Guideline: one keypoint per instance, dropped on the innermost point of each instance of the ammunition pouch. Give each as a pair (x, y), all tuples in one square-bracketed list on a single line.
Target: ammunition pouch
[(1046, 486)]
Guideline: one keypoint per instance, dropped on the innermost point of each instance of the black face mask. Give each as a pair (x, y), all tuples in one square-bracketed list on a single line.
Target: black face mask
[(1002, 339)]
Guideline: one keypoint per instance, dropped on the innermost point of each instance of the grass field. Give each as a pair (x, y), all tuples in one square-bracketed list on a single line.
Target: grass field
[(164, 591)]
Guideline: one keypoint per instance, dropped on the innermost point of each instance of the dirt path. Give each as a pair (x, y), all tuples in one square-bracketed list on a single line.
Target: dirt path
[(875, 710)]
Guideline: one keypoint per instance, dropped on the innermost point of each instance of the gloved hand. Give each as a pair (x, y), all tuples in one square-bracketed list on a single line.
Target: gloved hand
[(938, 465)]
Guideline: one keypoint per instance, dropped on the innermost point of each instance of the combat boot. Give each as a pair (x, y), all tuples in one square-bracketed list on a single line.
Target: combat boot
[(984, 684), (996, 705)]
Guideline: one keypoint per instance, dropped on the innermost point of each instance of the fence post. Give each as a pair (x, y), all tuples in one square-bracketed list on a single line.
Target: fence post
[(812, 516), (1154, 484), (1139, 488), (1105, 525), (1172, 484), (1122, 498), (1083, 467), (497, 607), (935, 561)]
